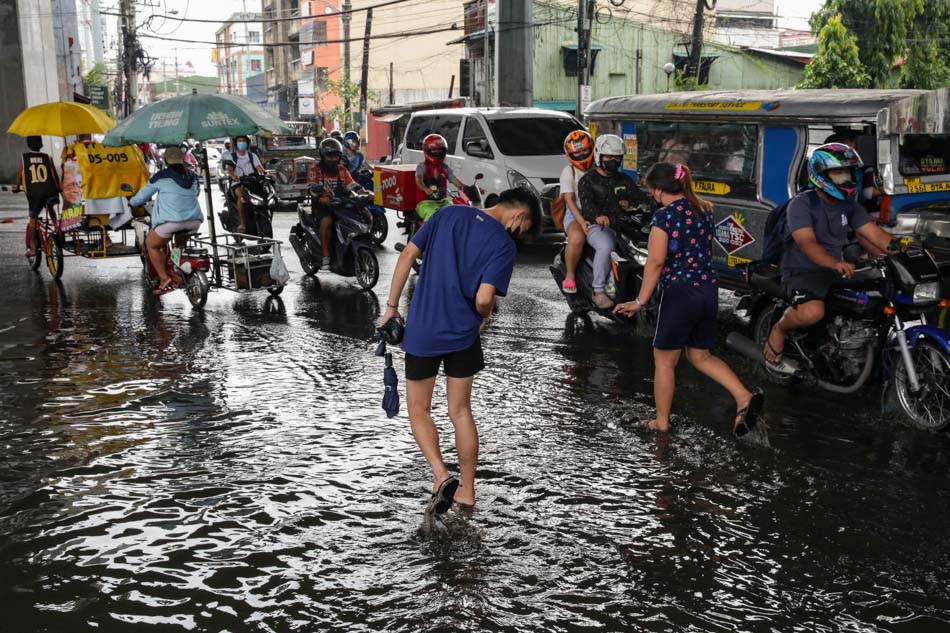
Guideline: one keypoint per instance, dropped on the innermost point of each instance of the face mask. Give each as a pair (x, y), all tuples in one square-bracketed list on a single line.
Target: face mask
[(242, 146), (330, 163), (610, 166), (841, 178)]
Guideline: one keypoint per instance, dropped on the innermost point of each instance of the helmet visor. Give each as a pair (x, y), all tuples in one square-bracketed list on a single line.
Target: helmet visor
[(581, 154), (438, 154)]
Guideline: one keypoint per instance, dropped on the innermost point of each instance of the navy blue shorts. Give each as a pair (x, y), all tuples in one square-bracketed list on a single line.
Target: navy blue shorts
[(687, 317)]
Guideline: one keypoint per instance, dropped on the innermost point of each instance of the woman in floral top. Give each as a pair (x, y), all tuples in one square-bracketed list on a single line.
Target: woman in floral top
[(680, 265)]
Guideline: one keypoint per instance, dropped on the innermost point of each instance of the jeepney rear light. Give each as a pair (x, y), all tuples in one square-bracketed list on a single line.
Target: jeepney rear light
[(885, 214)]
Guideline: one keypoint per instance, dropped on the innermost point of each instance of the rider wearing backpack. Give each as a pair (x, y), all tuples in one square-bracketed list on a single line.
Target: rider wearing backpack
[(239, 163)]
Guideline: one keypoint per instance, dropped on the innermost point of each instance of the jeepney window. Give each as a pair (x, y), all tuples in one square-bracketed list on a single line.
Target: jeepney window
[(713, 152), (924, 154)]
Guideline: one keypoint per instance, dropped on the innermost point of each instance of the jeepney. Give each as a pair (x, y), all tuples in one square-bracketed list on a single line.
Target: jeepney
[(289, 159), (748, 151)]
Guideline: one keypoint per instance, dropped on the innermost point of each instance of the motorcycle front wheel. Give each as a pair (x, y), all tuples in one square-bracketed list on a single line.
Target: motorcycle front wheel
[(929, 407), (380, 228), (367, 268)]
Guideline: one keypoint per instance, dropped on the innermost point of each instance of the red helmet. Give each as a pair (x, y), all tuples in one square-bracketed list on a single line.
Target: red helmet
[(435, 148)]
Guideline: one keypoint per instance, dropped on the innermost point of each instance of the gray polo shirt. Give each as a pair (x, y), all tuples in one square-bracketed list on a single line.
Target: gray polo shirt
[(830, 221)]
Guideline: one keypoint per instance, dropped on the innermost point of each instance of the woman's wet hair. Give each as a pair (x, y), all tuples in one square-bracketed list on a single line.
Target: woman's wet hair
[(521, 197), (676, 179)]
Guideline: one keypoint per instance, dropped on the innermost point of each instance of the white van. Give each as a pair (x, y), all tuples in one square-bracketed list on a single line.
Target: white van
[(509, 146)]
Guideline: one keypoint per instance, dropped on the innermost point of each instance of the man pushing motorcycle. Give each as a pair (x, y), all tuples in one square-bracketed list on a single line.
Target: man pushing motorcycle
[(816, 233)]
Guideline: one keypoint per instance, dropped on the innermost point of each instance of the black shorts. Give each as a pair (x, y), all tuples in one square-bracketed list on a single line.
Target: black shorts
[(36, 208), (687, 317), (802, 287), (462, 364)]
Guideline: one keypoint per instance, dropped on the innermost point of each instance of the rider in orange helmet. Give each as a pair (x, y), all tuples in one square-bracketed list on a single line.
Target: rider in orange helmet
[(579, 149)]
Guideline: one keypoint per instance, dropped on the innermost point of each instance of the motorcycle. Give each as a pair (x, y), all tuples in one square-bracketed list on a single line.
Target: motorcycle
[(880, 313), (627, 262), (380, 224), (410, 222), (351, 253), (260, 200)]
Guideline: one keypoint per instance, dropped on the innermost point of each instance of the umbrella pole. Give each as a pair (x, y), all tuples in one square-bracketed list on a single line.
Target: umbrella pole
[(214, 237)]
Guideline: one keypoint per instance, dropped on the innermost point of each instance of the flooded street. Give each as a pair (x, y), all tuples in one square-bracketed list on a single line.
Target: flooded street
[(232, 470)]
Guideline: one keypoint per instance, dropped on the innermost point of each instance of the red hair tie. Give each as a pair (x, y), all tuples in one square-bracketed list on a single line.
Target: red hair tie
[(680, 173)]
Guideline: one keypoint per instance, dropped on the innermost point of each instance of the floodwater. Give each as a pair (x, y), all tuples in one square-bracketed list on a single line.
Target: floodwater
[(231, 470)]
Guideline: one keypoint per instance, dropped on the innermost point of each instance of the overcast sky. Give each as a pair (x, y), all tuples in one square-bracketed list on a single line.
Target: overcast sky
[(794, 15)]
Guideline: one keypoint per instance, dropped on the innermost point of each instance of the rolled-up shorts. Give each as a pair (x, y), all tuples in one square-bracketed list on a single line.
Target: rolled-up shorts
[(167, 229), (462, 364), (687, 317), (36, 208), (802, 287), (568, 218)]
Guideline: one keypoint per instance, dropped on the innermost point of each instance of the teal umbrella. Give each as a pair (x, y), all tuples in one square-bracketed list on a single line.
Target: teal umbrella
[(196, 116), (199, 117)]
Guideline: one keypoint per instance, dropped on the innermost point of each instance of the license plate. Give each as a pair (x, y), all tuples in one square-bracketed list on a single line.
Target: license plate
[(910, 324)]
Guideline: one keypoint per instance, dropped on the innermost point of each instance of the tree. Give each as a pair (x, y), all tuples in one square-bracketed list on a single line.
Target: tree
[(928, 47), (837, 64), (96, 76)]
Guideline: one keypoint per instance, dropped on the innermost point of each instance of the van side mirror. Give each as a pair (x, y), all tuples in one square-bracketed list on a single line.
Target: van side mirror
[(478, 149), (479, 176)]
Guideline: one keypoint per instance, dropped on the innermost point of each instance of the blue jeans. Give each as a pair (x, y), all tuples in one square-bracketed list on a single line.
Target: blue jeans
[(603, 243)]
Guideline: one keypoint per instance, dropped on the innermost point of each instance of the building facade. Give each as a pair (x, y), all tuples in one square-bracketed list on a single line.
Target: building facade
[(281, 24), (751, 23), (239, 53)]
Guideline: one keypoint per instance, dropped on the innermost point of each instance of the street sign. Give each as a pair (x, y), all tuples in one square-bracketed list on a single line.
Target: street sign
[(99, 95), (585, 99), (306, 105)]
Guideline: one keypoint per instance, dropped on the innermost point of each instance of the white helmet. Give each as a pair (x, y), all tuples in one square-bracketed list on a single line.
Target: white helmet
[(607, 145)]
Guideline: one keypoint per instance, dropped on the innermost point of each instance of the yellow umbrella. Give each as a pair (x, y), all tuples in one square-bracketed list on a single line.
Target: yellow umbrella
[(61, 118)]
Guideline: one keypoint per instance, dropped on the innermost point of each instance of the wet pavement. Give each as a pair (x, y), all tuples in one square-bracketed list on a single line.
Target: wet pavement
[(231, 470)]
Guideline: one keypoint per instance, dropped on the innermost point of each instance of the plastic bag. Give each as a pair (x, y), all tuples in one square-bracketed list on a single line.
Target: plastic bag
[(278, 271)]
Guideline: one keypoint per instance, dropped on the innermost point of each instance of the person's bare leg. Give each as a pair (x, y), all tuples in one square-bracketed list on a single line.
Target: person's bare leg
[(31, 237), (459, 391), (155, 244), (419, 402), (326, 234), (718, 370), (664, 384), (239, 198), (804, 315), (574, 249)]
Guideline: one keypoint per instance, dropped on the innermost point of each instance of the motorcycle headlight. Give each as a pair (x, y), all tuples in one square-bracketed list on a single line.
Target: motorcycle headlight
[(924, 293), (255, 200), (517, 179)]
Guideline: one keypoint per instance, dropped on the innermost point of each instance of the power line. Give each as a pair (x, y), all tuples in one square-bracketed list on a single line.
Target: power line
[(264, 17)]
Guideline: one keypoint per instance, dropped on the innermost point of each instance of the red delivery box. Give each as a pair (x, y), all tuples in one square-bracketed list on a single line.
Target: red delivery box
[(396, 187)]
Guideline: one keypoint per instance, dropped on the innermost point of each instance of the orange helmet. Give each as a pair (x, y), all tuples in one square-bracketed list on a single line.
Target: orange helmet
[(579, 147)]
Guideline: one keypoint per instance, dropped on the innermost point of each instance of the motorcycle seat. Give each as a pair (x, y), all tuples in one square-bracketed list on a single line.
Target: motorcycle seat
[(769, 281)]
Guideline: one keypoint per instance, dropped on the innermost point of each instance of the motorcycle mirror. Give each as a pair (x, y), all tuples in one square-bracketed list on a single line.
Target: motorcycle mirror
[(126, 188), (479, 176)]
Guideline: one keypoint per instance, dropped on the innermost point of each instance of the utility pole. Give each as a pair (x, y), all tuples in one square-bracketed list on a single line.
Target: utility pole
[(347, 17), (696, 41), (392, 90), (227, 59), (585, 20), (364, 71), (129, 53), (485, 101)]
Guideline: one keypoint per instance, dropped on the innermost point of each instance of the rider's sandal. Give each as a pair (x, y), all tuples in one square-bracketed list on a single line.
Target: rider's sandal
[(164, 290), (778, 354), (569, 287), (748, 417)]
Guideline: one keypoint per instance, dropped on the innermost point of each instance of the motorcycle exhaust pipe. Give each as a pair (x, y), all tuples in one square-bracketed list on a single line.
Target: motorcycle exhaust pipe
[(753, 351)]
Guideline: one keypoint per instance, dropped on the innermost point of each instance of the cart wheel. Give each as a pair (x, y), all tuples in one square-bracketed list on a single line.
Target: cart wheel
[(54, 256), (367, 268), (380, 228), (37, 251), (197, 289), (275, 291)]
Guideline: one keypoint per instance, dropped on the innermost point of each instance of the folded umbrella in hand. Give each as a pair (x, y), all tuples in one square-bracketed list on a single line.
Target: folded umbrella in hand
[(391, 383)]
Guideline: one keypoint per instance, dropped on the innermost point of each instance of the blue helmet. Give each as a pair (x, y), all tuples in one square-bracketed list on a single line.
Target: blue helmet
[(352, 140), (834, 156)]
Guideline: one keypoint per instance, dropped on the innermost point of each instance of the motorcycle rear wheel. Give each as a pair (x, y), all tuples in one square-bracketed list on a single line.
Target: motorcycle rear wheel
[(929, 408), (367, 268), (197, 289)]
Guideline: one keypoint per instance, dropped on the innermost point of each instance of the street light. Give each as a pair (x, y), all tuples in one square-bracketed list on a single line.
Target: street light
[(668, 68)]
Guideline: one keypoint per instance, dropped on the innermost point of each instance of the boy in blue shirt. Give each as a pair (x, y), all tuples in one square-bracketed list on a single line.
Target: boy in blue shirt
[(469, 257)]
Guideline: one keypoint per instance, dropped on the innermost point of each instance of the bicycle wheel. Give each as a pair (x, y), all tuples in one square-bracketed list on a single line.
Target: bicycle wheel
[(54, 256)]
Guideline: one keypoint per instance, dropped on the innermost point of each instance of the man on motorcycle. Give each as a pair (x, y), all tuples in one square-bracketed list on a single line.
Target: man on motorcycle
[(330, 178), (433, 175), (241, 162), (605, 193), (579, 149), (817, 231), (355, 160)]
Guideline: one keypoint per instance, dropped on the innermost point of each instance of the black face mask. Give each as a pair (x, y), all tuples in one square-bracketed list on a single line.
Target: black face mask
[(610, 166), (330, 164)]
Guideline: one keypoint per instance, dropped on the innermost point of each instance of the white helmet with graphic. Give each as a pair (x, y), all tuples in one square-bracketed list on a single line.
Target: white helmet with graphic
[(607, 145)]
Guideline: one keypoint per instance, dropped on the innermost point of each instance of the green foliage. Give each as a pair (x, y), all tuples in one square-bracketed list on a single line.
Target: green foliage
[(347, 90), (887, 30), (687, 84), (96, 76), (837, 64)]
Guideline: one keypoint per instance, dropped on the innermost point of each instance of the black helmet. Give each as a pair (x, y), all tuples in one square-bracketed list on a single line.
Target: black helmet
[(393, 332), (331, 152), (338, 135)]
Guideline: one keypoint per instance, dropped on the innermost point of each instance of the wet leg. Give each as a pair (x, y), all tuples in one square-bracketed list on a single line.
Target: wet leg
[(155, 244), (664, 384), (459, 391), (31, 244), (718, 370), (803, 315), (326, 234), (574, 249), (419, 401), (239, 198)]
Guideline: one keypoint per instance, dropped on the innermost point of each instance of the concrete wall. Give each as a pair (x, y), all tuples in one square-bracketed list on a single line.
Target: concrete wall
[(29, 22)]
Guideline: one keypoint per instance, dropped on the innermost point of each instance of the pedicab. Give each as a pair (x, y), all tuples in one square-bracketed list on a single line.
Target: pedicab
[(238, 262), (95, 218)]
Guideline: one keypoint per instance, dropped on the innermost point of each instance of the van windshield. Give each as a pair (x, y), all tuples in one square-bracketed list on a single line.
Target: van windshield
[(925, 155), (541, 136)]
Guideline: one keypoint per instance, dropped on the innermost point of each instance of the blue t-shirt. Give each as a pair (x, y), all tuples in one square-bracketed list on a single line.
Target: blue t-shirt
[(463, 248), (354, 162), (829, 220), (689, 252)]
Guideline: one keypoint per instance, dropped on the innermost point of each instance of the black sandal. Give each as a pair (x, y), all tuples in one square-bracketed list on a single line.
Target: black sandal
[(748, 416), (778, 354), (442, 498)]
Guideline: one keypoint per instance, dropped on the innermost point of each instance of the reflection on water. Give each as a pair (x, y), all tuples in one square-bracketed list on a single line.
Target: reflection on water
[(232, 471)]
